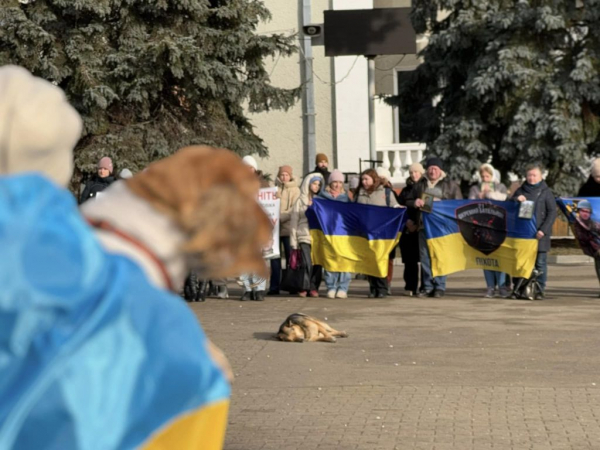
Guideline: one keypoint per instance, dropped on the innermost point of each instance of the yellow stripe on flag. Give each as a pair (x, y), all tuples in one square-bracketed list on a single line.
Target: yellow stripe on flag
[(203, 429), (451, 253), (352, 253)]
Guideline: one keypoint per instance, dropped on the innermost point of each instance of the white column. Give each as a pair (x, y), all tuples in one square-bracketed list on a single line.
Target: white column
[(351, 101)]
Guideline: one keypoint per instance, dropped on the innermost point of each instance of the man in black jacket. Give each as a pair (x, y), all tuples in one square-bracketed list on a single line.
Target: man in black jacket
[(440, 187), (535, 189)]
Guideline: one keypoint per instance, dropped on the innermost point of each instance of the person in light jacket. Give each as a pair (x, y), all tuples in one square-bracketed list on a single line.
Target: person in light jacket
[(489, 187), (300, 233), (373, 192), (535, 189), (337, 283), (287, 192)]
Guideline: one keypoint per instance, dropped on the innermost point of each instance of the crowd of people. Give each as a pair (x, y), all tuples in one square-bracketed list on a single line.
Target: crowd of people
[(373, 187)]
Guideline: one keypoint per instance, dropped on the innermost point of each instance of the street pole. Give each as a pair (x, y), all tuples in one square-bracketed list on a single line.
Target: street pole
[(310, 134), (372, 136)]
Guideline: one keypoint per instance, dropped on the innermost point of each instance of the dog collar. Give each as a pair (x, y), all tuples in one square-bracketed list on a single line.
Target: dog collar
[(106, 226)]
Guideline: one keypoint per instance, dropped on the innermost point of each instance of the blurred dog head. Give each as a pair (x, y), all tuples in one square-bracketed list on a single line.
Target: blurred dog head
[(210, 194)]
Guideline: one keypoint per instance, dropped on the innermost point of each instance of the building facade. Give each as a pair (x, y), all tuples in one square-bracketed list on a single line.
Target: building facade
[(339, 99)]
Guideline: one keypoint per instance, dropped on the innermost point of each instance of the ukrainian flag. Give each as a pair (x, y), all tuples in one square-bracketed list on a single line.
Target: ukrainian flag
[(92, 356), (349, 237), (480, 234)]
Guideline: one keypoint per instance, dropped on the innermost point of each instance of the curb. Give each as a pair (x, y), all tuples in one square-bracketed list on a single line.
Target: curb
[(570, 259)]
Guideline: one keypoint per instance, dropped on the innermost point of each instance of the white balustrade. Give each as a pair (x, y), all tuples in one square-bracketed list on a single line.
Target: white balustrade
[(397, 158)]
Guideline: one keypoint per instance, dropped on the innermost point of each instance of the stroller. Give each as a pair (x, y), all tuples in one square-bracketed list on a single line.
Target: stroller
[(196, 290), (528, 288)]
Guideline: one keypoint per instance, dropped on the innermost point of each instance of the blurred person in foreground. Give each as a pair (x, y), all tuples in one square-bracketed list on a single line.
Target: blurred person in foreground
[(90, 340)]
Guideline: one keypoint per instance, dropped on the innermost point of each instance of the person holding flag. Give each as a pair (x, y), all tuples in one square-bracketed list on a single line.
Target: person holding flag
[(440, 187)]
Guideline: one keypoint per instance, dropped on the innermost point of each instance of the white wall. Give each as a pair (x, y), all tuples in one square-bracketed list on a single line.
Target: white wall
[(282, 131)]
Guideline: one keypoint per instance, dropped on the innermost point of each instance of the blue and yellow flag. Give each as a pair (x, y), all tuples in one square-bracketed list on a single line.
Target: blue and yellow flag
[(480, 234), (583, 215), (92, 356), (349, 237)]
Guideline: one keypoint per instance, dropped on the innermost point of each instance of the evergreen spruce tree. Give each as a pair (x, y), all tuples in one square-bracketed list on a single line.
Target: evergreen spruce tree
[(150, 77), (511, 82)]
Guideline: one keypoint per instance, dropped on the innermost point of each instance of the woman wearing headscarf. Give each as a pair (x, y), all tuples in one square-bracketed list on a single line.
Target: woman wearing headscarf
[(300, 238), (337, 283), (489, 187), (373, 192)]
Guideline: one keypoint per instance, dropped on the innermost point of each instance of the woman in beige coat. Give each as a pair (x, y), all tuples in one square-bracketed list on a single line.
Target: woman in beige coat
[(373, 192), (300, 232), (288, 192)]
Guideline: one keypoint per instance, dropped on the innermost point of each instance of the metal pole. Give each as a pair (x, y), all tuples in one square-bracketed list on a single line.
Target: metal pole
[(372, 136), (310, 134)]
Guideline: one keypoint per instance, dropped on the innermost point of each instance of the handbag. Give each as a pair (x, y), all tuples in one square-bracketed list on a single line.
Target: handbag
[(296, 277), (295, 259)]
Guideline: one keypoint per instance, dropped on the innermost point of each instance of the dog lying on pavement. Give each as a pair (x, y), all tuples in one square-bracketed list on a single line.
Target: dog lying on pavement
[(302, 328)]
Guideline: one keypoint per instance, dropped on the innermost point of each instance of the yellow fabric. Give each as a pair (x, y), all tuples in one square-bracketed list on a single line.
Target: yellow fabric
[(203, 429), (352, 253), (451, 253)]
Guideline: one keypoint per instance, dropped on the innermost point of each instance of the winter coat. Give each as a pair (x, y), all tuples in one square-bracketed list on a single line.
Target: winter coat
[(95, 185), (545, 209), (588, 236), (378, 197), (342, 197), (444, 188), (288, 193), (409, 195), (589, 189), (498, 192), (299, 230)]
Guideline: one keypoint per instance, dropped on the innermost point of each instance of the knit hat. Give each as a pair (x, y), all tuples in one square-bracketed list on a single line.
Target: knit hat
[(384, 173), (125, 174), (336, 175), (321, 157), (106, 163), (354, 183), (250, 161), (286, 169), (596, 168), (315, 178), (38, 127), (416, 167), (435, 161)]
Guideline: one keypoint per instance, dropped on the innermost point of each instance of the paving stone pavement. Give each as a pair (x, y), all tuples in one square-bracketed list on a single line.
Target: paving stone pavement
[(461, 372)]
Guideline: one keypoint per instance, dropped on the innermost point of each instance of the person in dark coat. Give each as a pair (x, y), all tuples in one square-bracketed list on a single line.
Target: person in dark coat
[(440, 187), (100, 181), (322, 166), (535, 189), (409, 241), (591, 188)]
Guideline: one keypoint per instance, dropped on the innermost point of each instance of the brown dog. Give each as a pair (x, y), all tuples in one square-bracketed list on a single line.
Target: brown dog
[(300, 328)]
